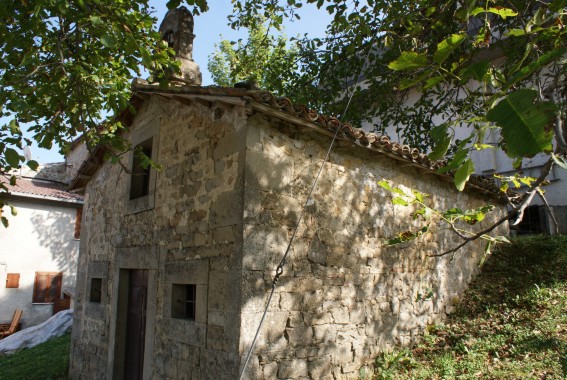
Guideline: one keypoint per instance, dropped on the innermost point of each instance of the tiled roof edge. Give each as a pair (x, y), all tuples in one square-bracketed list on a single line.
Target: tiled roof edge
[(378, 143)]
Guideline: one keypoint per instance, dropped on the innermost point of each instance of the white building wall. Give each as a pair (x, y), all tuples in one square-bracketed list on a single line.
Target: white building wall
[(489, 161), (39, 239)]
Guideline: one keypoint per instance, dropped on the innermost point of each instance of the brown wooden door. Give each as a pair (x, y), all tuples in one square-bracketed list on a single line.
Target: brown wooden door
[(136, 324)]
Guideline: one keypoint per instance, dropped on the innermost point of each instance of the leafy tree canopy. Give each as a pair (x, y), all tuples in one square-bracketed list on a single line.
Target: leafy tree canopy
[(427, 67), (265, 60), (66, 66)]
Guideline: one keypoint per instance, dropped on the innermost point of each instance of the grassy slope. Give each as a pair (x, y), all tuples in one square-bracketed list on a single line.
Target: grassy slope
[(512, 323), (49, 360)]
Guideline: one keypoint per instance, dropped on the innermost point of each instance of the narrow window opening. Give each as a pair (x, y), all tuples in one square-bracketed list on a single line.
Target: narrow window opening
[(96, 290), (184, 301), (140, 177)]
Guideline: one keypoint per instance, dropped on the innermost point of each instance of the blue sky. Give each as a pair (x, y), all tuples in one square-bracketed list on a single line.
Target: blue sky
[(208, 30)]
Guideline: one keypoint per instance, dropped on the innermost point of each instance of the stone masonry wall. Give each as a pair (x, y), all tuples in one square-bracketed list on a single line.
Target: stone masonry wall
[(344, 295), (191, 235), (230, 191)]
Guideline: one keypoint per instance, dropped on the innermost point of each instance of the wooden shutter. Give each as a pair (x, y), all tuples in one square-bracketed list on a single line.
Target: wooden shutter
[(40, 287), (78, 218), (54, 293), (13, 280), (47, 287)]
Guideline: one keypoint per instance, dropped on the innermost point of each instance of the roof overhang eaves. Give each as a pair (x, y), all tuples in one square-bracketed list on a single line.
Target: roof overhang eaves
[(283, 109), (41, 198)]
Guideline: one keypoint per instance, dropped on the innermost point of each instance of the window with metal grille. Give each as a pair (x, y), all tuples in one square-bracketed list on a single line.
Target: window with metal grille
[(184, 301)]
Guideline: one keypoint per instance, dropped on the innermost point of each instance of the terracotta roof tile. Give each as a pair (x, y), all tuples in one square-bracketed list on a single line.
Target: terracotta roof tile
[(299, 113), (40, 188)]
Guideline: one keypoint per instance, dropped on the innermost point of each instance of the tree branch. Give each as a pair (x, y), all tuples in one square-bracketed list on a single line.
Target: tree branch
[(551, 213), (524, 200)]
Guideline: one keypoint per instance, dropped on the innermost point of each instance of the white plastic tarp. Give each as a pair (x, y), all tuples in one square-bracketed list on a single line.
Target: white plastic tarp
[(55, 326)]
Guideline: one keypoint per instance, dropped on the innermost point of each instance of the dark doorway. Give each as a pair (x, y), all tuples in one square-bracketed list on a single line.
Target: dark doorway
[(533, 221), (135, 324)]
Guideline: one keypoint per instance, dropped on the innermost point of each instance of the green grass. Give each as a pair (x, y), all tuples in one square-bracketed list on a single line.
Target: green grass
[(511, 324), (49, 360)]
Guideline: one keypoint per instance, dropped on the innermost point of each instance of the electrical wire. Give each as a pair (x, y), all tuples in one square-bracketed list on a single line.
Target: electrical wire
[(279, 268)]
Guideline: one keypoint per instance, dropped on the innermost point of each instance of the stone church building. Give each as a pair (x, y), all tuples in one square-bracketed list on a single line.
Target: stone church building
[(176, 265)]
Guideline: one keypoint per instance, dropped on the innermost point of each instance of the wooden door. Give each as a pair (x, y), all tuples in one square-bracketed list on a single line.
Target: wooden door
[(136, 324)]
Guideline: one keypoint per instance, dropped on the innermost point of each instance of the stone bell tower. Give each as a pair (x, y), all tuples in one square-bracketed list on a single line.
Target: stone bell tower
[(177, 29)]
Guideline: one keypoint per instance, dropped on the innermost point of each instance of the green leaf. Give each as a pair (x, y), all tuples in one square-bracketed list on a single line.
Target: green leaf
[(502, 239), (14, 127), (483, 146), (463, 173), (12, 157), (171, 4), (523, 123), (487, 252), (540, 63), (515, 33), (419, 196), (440, 149), (146, 57), (408, 60), (407, 236), (108, 41), (447, 46), (5, 222), (33, 165), (96, 21), (385, 185), (410, 82), (500, 11), (432, 82), (476, 71), (557, 5), (456, 161), (399, 201), (13, 211), (399, 191), (13, 180)]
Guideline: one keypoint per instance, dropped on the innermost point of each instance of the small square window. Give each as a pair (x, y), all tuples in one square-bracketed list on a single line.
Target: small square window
[(184, 301), (96, 290)]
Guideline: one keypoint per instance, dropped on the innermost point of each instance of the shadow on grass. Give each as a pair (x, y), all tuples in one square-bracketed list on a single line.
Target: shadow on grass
[(514, 271)]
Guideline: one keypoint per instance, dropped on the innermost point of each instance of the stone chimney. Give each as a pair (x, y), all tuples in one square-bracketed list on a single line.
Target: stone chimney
[(177, 29)]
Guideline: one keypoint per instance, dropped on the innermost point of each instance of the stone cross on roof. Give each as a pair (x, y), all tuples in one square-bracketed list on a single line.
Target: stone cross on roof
[(177, 29)]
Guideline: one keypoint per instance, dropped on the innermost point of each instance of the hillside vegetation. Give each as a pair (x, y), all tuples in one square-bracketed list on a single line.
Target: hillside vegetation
[(511, 324)]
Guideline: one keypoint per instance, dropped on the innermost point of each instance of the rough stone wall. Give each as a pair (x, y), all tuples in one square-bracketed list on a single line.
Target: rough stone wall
[(344, 296), (191, 235), (225, 203), (74, 159)]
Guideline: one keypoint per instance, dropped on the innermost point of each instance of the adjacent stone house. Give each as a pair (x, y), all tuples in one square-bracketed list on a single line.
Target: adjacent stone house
[(39, 249), (176, 265)]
